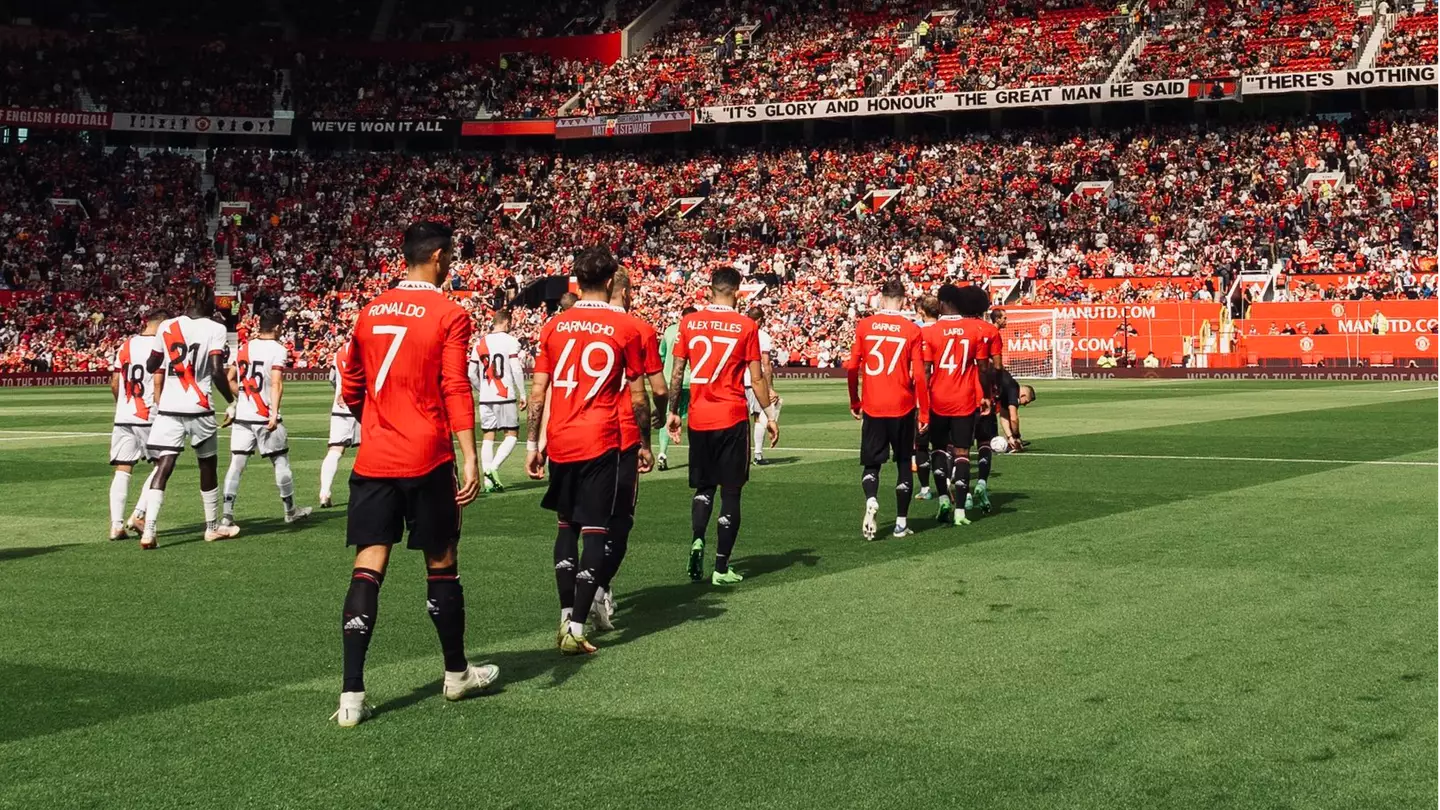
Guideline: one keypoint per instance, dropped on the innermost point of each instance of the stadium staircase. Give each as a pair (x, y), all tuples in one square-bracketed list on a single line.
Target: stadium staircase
[(911, 43), (382, 21), (1122, 65), (86, 102), (1381, 28)]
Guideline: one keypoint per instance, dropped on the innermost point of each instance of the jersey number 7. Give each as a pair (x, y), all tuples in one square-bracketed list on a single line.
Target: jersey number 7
[(877, 354)]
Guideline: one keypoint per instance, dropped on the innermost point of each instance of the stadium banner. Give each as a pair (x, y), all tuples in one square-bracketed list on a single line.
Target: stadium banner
[(1169, 329), (1368, 375), (1269, 83), (407, 127), (199, 124), (808, 373), (53, 119), (946, 102), (613, 126), (1377, 349), (1404, 317), (504, 129), (24, 380)]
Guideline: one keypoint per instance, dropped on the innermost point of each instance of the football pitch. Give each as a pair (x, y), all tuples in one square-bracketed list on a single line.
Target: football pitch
[(1191, 594)]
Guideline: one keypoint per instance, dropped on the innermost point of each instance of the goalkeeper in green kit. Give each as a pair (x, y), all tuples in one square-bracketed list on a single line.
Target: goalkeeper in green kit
[(667, 355)]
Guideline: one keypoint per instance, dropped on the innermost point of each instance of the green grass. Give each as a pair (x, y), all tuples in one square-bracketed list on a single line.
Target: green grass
[(1249, 622)]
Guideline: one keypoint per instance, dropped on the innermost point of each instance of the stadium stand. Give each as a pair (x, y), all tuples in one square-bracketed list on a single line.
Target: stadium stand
[(1221, 38), (1412, 40)]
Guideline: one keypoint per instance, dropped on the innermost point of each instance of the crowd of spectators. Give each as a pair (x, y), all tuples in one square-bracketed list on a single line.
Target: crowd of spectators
[(747, 52), (1142, 214), (94, 238), (987, 47), (1227, 38), (1412, 40)]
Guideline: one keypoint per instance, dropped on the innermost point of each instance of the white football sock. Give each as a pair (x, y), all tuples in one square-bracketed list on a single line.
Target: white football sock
[(232, 482), (577, 628), (758, 439), (211, 500), (487, 455), (328, 468), (565, 614), (875, 502), (140, 501), (154, 499), (900, 523), (119, 490), (285, 482), (506, 445)]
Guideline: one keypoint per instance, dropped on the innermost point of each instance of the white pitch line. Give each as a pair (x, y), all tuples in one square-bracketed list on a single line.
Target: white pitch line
[(856, 451), (1413, 390)]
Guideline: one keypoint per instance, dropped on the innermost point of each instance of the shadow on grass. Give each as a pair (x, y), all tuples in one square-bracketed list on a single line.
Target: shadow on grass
[(8, 554)]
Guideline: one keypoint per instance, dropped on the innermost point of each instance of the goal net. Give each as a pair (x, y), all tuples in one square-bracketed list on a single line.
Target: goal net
[(1038, 343)]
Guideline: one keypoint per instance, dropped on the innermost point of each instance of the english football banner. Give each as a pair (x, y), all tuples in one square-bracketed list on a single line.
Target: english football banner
[(611, 126), (53, 119), (199, 124), (409, 127)]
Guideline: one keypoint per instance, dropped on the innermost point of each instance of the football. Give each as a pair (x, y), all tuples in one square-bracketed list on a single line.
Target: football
[(1000, 444)]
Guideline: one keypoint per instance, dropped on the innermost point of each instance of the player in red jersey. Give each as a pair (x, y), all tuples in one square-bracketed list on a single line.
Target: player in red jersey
[(719, 345), (586, 354), (133, 387), (927, 311), (886, 371), (633, 459), (1004, 396), (187, 358), (957, 350), (405, 380)]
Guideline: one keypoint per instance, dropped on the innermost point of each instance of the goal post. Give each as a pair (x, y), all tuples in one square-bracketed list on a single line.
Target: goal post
[(1039, 343)]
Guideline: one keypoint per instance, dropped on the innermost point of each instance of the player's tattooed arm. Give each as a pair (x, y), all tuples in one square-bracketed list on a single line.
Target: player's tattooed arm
[(536, 412), (677, 379), (641, 405)]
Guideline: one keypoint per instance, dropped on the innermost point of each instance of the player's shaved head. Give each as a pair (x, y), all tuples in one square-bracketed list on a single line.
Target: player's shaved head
[(594, 268), (929, 306), (755, 314), (422, 240), (501, 319), (1027, 394), (725, 281), (271, 319), (157, 315), (568, 300), (950, 299), (973, 301), (687, 310)]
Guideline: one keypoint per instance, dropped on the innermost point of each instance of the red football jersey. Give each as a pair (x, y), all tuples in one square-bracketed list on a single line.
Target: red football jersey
[(406, 379), (588, 351), (651, 364), (888, 358), (719, 344), (953, 346)]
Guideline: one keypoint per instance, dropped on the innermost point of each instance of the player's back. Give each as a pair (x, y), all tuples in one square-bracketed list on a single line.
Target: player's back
[(188, 344), (587, 350), (887, 350), (719, 344), (953, 346), (650, 364), (136, 402), (493, 356), (407, 365), (253, 364)]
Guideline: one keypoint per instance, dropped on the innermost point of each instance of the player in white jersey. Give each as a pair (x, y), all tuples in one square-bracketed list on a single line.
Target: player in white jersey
[(499, 384), (133, 387), (757, 411), (344, 429), (189, 355), (259, 376)]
